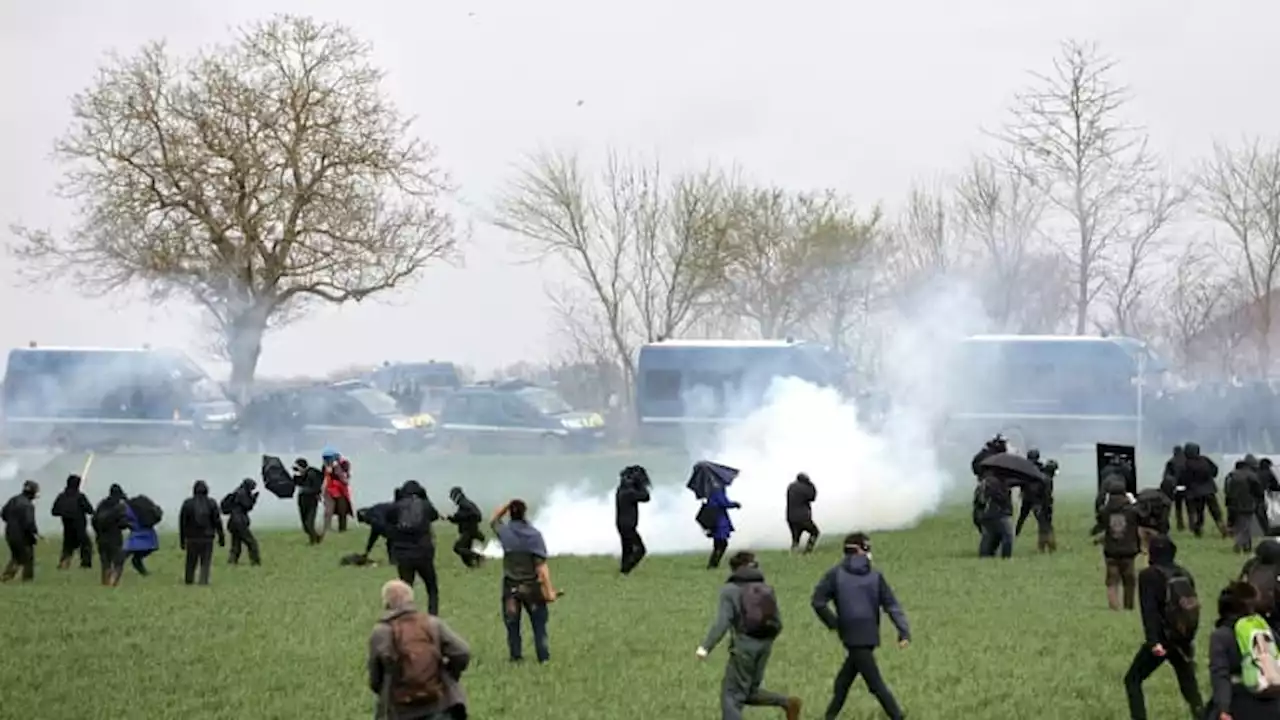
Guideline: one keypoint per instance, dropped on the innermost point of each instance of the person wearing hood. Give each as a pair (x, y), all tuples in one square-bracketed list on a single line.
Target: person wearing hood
[(633, 489), (526, 580), (1242, 492), (1262, 571), (1117, 525), (21, 533), (1171, 487), (375, 516), (745, 595), (800, 497), (411, 541), (237, 506), (73, 508), (719, 504), (142, 541), (467, 517), (1230, 698), (337, 490), (198, 523), (1199, 475), (310, 483), (110, 520), (993, 514), (993, 447), (1267, 479), (1166, 637), (859, 594)]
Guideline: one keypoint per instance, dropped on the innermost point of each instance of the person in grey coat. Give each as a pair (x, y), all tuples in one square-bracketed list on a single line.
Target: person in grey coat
[(859, 593), (397, 602), (748, 656)]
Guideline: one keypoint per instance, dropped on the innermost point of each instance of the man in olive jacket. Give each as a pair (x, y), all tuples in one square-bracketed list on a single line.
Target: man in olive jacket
[(397, 601)]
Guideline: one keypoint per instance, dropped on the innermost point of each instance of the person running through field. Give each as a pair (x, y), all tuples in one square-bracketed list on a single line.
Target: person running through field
[(198, 523), (747, 610), (110, 520), (310, 484), (410, 540), (236, 506), (142, 541), (721, 528), (1199, 475), (73, 508), (415, 662), (1121, 543), (633, 489), (800, 497), (467, 517), (1171, 485), (1233, 676), (526, 585), (1262, 571), (1170, 619), (859, 593), (21, 532), (337, 491)]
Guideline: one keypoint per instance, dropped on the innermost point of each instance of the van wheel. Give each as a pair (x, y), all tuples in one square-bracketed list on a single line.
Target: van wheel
[(552, 445)]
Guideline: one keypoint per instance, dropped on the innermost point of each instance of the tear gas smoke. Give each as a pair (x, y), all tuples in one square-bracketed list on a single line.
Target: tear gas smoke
[(867, 480)]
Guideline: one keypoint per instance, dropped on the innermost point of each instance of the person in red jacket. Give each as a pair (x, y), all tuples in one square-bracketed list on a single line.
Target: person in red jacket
[(337, 490)]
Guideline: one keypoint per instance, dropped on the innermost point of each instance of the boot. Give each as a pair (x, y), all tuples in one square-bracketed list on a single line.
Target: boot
[(10, 571), (1053, 543), (793, 708), (64, 563), (115, 578), (808, 547), (1113, 597)]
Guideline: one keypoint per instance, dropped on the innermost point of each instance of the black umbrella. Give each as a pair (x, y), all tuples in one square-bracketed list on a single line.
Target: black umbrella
[(275, 478), (1014, 464), (707, 475)]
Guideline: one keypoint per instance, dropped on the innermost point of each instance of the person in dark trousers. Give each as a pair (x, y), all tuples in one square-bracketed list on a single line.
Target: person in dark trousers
[(633, 489), (1262, 571), (110, 520), (994, 446), (993, 514), (1199, 475), (800, 497), (524, 554), (748, 655), (21, 533), (1118, 526), (410, 541), (198, 523), (718, 504), (1171, 485), (73, 508), (468, 518), (859, 594), (1230, 699), (242, 502), (142, 541), (310, 483), (1243, 494), (1165, 637), (1270, 484), (375, 516)]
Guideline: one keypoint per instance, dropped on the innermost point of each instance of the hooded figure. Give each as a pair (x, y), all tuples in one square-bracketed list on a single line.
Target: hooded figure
[(1171, 485), (110, 520), (994, 446), (375, 516), (633, 489), (1163, 640), (74, 509), (1198, 477), (800, 497), (1243, 494), (142, 541), (1118, 523), (410, 540), (337, 490), (21, 533), (310, 483), (199, 521), (468, 518), (238, 505)]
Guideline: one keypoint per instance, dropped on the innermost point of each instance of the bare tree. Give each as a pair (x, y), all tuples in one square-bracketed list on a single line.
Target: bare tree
[(256, 178), (1071, 142), (844, 277), (926, 243), (1240, 189), (1192, 300)]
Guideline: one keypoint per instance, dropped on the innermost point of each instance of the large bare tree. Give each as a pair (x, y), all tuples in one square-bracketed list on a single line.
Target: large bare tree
[(256, 179), (1070, 140), (1193, 299)]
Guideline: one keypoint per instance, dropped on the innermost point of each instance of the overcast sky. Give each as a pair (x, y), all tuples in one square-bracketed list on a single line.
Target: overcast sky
[(863, 97)]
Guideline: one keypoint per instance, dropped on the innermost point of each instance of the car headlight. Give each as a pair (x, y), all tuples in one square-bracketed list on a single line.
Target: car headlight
[(400, 424), (220, 418), (573, 423), (596, 420)]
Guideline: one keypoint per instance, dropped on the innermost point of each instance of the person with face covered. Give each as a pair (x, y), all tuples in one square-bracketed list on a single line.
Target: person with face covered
[(633, 489), (21, 532), (1198, 477), (110, 520), (237, 506), (1171, 487), (468, 518), (74, 510), (411, 540), (375, 516), (994, 446), (801, 495), (198, 522), (310, 483)]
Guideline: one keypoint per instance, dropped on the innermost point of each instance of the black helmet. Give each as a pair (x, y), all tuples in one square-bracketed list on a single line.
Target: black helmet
[(1033, 454)]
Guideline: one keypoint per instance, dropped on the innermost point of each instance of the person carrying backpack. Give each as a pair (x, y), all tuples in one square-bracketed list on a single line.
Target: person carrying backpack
[(1199, 477), (415, 661), (410, 541), (198, 522), (1244, 667), (74, 510), (859, 593), (1262, 571), (236, 506), (1243, 493), (1153, 514), (143, 538), (21, 532), (1117, 531), (1170, 619), (993, 514), (748, 611), (110, 520)]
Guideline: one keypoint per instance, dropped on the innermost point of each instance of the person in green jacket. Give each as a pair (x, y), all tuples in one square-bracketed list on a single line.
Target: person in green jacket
[(748, 608)]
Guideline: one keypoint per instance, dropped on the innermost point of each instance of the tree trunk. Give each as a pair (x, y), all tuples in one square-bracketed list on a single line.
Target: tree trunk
[(244, 346)]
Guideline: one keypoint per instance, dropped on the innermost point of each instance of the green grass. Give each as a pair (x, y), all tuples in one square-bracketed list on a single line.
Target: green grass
[(1026, 638)]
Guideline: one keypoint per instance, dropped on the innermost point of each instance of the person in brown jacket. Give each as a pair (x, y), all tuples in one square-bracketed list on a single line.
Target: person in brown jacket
[(415, 655)]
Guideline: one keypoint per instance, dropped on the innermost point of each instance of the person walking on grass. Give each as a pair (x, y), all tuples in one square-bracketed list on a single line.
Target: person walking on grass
[(1170, 619), (859, 594), (198, 522), (1118, 534), (142, 541), (73, 508), (526, 579), (747, 611), (110, 520), (21, 532), (310, 484), (410, 542), (801, 495), (237, 505), (415, 661)]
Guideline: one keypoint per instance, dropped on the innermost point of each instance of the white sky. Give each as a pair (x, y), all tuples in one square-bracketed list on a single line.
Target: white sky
[(864, 97)]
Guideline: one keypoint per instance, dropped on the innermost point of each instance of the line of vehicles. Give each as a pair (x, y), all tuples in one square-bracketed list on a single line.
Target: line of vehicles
[(1052, 391)]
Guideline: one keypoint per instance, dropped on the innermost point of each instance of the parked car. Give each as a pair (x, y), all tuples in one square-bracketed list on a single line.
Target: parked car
[(351, 414), (516, 417)]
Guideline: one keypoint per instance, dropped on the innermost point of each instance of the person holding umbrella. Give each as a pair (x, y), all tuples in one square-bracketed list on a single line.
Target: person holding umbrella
[(993, 499), (708, 483)]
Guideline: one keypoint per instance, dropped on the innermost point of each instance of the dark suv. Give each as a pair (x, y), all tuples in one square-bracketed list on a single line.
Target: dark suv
[(516, 417), (346, 414)]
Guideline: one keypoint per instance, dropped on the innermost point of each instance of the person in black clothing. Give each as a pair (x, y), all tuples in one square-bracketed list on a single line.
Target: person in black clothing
[(1037, 499), (375, 516), (410, 540), (1163, 640), (1262, 571), (800, 496), (110, 520), (1230, 699), (994, 446), (1266, 479), (1243, 494), (73, 508), (1198, 477), (310, 483), (468, 518), (1118, 524), (859, 593), (241, 503), (21, 533), (198, 522), (1170, 485), (633, 489), (993, 515)]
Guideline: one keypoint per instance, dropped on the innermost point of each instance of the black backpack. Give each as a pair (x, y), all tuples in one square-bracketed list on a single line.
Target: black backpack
[(1121, 530), (1153, 508), (148, 513), (110, 517), (1181, 606), (228, 505), (411, 515), (760, 611), (1266, 579), (203, 514)]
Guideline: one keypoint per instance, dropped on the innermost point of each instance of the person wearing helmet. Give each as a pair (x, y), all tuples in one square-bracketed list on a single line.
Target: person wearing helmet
[(21, 533), (468, 518)]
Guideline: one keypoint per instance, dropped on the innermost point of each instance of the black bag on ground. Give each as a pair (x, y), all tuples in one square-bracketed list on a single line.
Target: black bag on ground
[(148, 513), (276, 478)]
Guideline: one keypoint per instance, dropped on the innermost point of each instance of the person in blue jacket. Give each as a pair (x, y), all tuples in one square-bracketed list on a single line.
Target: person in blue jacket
[(142, 541), (718, 501)]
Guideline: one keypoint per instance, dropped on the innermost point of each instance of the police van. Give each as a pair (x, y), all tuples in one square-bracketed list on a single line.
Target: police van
[(101, 399)]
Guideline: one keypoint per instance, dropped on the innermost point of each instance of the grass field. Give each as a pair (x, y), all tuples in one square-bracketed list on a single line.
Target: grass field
[(1025, 638)]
